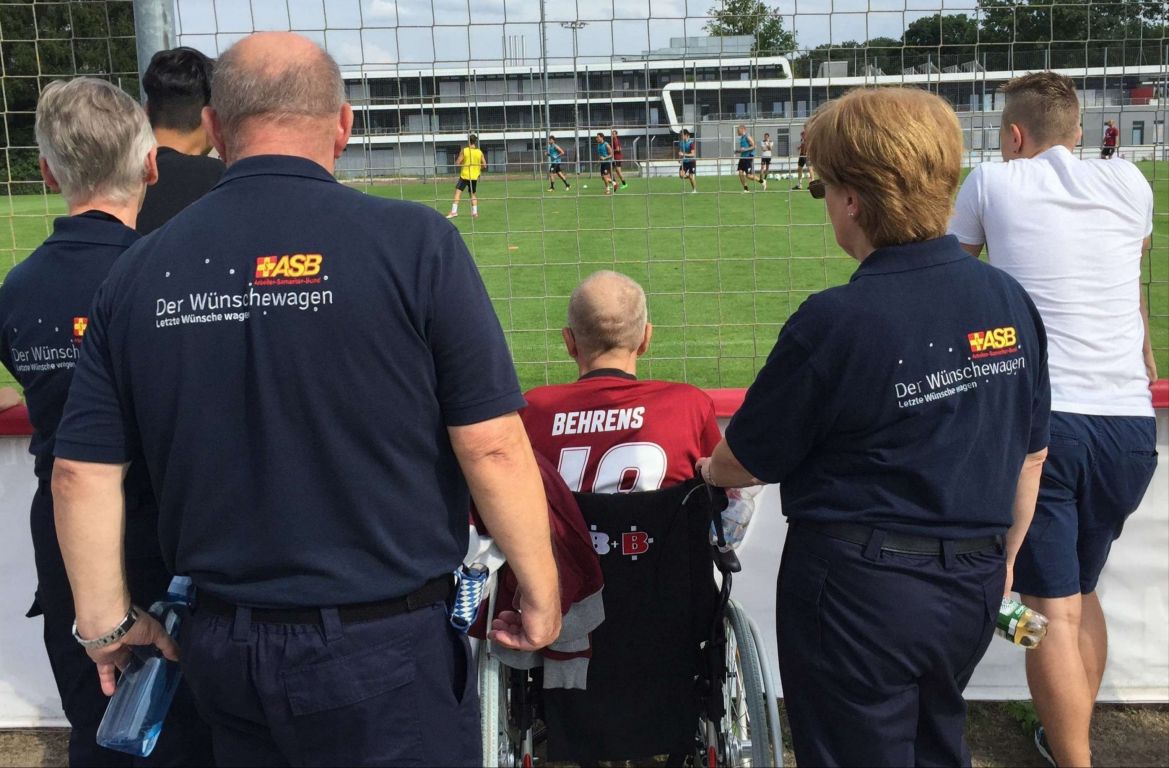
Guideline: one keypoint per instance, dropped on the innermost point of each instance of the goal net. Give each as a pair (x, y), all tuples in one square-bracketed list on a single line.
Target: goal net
[(723, 267)]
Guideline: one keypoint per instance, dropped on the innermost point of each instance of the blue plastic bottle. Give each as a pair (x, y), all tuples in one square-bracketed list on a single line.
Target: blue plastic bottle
[(134, 716)]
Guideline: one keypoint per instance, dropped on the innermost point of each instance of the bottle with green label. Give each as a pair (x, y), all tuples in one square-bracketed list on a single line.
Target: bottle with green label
[(1021, 625)]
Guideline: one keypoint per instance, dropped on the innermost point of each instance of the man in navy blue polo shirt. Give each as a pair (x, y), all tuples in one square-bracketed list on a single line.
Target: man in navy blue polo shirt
[(905, 416), (316, 378), (97, 150)]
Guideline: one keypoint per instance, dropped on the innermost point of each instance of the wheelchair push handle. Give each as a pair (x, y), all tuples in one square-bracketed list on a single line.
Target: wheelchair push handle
[(724, 556)]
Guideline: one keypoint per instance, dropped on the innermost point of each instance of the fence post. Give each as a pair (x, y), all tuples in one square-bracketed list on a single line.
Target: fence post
[(154, 30)]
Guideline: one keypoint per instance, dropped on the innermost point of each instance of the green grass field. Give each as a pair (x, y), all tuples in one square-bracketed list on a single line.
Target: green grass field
[(723, 269)]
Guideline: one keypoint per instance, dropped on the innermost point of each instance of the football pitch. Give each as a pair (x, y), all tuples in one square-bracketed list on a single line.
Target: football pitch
[(722, 268)]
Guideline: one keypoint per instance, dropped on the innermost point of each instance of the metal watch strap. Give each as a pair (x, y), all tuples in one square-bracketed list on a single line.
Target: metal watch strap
[(111, 637)]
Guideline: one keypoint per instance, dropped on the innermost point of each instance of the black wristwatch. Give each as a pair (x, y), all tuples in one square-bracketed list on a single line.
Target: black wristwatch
[(111, 637)]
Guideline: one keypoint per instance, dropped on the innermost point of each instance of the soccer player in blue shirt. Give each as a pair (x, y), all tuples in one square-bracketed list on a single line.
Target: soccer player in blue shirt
[(605, 156), (746, 152), (687, 154), (555, 155)]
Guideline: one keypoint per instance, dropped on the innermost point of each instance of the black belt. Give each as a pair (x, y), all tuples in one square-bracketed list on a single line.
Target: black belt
[(433, 591), (899, 542)]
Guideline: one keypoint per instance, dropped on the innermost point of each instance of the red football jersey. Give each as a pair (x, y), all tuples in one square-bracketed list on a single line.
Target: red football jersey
[(607, 433), (1111, 134)]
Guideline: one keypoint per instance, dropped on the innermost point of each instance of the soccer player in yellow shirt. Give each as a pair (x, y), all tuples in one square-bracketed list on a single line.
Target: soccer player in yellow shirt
[(471, 162)]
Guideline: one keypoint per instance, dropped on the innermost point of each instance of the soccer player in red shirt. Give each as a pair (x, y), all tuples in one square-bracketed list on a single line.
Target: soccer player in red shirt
[(608, 431), (1111, 135), (615, 143)]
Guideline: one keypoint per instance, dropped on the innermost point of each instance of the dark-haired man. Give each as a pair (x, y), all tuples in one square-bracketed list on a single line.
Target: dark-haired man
[(178, 86)]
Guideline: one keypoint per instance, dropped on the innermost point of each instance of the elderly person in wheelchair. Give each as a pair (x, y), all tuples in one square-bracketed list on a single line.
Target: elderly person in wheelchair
[(675, 668)]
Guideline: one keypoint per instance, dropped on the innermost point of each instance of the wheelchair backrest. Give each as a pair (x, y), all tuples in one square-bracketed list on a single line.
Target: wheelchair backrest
[(660, 599)]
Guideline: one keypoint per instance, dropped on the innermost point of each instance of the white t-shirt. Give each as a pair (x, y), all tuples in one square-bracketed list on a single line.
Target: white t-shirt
[(1070, 231), (767, 149)]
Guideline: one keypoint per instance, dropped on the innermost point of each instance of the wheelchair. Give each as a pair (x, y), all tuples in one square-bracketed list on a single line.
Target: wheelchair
[(677, 667)]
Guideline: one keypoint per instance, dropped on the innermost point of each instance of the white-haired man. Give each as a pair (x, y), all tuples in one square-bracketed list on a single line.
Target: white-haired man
[(608, 431), (318, 386), (97, 150)]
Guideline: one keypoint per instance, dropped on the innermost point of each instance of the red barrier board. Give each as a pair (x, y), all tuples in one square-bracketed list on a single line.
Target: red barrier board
[(14, 421)]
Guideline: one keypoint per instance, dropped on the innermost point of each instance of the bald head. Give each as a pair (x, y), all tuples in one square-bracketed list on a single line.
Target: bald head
[(272, 79), (607, 313)]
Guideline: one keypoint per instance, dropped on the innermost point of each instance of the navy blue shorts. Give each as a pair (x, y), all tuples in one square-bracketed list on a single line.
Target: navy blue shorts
[(1096, 473), (689, 167), (746, 164)]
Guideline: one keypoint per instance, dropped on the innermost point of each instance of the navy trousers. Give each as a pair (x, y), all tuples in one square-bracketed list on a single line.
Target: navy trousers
[(185, 739), (393, 691), (875, 648)]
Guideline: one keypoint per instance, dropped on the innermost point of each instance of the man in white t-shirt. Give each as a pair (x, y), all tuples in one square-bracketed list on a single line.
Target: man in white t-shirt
[(1072, 232)]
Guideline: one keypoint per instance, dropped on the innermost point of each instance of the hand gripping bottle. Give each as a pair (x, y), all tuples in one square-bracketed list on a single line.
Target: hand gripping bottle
[(740, 508), (1020, 624), (134, 716)]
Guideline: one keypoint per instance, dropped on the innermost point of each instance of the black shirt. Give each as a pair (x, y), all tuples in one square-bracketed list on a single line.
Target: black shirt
[(44, 312), (905, 399), (182, 179), (289, 354)]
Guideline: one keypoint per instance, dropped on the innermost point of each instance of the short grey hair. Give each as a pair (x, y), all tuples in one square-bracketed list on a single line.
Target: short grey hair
[(241, 90), (607, 311), (95, 139)]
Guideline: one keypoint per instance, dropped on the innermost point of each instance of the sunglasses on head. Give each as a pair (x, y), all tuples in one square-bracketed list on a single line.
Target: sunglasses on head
[(816, 189)]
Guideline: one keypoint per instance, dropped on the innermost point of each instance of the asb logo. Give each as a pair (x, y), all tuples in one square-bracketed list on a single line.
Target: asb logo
[(79, 326), (292, 265), (996, 338)]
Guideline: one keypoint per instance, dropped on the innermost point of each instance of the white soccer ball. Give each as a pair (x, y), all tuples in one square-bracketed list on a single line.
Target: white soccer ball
[(584, 186)]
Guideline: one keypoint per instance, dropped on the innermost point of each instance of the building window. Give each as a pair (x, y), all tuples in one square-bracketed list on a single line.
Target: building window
[(1138, 132)]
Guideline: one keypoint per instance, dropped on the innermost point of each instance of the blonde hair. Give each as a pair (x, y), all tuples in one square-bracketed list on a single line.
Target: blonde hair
[(900, 149), (1045, 103), (95, 139)]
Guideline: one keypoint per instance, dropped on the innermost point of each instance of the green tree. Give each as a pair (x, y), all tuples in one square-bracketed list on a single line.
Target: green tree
[(45, 41), (755, 18), (944, 40), (878, 55), (1036, 34)]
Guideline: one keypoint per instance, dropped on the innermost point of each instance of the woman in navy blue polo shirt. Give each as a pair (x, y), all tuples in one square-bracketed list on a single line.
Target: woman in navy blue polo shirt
[(905, 415)]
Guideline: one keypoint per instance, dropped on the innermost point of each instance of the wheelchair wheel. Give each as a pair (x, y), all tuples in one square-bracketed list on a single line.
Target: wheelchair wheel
[(743, 738), (770, 689), (505, 744)]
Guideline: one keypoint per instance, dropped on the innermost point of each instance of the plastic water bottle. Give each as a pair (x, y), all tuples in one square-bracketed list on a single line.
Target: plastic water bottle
[(1021, 625), (134, 716), (740, 508)]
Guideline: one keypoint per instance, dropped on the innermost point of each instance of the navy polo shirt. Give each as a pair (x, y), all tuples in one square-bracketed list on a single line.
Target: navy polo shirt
[(905, 399), (288, 354), (44, 313)]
